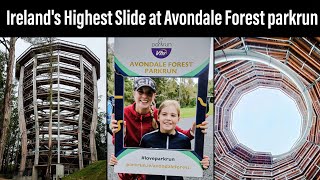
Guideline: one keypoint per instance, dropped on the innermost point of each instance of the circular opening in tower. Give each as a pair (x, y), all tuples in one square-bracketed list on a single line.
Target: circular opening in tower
[(267, 120)]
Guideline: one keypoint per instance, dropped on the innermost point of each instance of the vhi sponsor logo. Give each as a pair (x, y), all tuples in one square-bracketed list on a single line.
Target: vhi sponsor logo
[(161, 49)]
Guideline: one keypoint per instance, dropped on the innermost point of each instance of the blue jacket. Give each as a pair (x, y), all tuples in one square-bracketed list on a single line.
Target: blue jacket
[(156, 139)]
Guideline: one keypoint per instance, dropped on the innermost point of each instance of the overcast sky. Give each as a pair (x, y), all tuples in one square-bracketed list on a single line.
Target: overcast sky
[(267, 120)]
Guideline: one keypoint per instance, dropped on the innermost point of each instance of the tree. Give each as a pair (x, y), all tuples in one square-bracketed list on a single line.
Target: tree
[(187, 93), (3, 64), (48, 171), (110, 71), (128, 90), (12, 149), (10, 47), (210, 89), (101, 136), (166, 89), (6, 109), (172, 89), (12, 146)]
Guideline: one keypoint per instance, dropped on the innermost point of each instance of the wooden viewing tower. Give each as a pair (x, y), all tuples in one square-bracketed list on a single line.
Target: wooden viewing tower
[(57, 98), (289, 64)]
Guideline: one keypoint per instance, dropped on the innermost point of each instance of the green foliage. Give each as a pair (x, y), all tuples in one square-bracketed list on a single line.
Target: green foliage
[(172, 88), (187, 92), (211, 109), (95, 171), (101, 137), (110, 71), (13, 147), (128, 91), (3, 64), (165, 86), (210, 87), (193, 102), (38, 40)]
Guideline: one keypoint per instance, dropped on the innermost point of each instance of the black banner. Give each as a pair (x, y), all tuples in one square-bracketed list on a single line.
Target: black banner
[(171, 22)]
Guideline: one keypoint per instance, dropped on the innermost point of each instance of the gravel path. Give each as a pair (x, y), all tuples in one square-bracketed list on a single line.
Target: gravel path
[(184, 124)]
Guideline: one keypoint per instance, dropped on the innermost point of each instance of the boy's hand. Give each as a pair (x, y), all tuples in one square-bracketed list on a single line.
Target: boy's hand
[(203, 127)]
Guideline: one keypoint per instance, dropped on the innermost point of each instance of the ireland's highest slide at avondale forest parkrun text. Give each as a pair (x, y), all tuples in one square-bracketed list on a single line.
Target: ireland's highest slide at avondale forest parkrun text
[(128, 17)]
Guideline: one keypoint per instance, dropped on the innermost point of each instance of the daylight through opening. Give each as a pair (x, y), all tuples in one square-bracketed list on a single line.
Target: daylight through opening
[(266, 120)]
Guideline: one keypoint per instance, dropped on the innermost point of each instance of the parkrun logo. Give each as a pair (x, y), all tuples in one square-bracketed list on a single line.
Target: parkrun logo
[(161, 49)]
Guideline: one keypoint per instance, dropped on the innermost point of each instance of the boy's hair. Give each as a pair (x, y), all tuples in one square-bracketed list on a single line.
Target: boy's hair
[(167, 103)]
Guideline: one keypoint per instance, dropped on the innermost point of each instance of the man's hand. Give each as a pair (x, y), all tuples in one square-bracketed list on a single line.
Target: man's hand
[(205, 162)]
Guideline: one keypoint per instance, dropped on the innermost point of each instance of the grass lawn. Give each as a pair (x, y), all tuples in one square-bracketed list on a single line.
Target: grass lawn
[(95, 171), (191, 112)]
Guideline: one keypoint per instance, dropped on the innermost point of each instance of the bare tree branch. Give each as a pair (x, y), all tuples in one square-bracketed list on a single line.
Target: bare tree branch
[(4, 43)]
